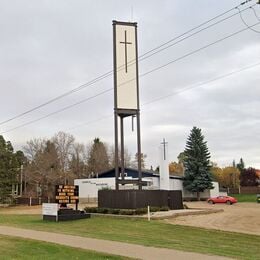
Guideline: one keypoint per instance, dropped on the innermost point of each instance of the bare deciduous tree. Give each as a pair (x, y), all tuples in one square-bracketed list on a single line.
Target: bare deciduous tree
[(42, 171), (127, 158), (64, 145), (134, 164), (33, 147), (78, 161)]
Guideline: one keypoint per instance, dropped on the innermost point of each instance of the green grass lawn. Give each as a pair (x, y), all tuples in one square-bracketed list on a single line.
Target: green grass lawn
[(154, 233), (16, 248), (244, 197)]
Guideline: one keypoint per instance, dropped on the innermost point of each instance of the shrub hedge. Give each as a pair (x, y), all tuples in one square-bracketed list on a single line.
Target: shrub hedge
[(140, 211)]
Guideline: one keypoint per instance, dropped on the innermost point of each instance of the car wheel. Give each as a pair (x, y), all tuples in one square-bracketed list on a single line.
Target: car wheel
[(211, 202), (228, 202)]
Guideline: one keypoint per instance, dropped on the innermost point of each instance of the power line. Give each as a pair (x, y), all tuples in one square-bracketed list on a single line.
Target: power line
[(92, 82), (180, 91), (90, 122), (142, 57), (198, 26), (185, 38), (57, 111), (159, 48), (189, 54), (145, 56), (244, 22), (204, 83), (142, 75), (198, 50), (253, 9)]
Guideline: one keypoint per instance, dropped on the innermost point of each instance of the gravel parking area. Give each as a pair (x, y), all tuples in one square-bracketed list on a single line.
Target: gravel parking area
[(239, 217)]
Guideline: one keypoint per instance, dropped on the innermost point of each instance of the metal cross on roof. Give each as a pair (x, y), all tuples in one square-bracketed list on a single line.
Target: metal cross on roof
[(164, 147)]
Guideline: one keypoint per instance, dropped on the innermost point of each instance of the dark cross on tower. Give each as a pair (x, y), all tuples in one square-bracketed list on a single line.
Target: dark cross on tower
[(125, 43), (164, 151)]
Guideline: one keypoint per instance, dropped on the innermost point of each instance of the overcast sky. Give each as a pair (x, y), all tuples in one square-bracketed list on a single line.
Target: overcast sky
[(50, 47)]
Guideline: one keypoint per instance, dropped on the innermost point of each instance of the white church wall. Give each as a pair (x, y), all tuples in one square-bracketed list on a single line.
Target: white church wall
[(204, 195), (88, 188), (214, 192), (155, 183), (176, 184)]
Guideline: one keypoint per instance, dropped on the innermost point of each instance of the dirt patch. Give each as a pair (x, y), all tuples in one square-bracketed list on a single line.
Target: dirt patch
[(33, 210), (21, 210), (240, 217)]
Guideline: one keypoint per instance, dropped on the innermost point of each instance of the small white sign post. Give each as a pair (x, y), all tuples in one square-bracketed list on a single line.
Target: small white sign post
[(50, 209)]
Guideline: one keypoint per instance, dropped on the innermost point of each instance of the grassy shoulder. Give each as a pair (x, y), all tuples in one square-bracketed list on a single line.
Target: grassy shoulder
[(154, 233), (245, 197), (16, 248)]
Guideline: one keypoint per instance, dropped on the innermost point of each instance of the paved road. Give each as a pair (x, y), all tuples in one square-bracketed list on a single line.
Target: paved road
[(109, 247)]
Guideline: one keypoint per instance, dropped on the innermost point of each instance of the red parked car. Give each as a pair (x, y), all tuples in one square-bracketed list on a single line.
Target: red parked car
[(222, 199)]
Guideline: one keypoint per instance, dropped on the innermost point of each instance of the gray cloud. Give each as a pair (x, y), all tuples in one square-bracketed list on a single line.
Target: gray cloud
[(50, 47)]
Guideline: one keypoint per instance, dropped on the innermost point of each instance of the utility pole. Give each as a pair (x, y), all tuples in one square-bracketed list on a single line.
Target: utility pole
[(21, 180), (25, 180)]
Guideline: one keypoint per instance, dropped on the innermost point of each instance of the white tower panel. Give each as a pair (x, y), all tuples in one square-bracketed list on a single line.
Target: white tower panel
[(126, 75)]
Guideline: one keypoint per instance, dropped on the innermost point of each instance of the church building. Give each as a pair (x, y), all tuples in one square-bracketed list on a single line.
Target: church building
[(88, 188)]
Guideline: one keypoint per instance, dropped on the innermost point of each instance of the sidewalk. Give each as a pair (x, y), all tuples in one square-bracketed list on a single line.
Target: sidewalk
[(105, 246)]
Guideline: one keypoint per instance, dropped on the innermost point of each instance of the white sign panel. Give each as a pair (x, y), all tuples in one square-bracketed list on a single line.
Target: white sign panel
[(50, 209), (126, 72)]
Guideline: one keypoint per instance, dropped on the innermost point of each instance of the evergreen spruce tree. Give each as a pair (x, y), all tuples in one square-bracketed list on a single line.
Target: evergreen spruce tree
[(98, 160), (241, 165), (197, 163)]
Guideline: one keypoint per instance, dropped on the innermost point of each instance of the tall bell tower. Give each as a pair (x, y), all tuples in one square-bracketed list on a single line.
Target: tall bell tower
[(126, 94)]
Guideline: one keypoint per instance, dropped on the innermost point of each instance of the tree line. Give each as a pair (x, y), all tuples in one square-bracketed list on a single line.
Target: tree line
[(44, 163), (198, 171), (232, 176)]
